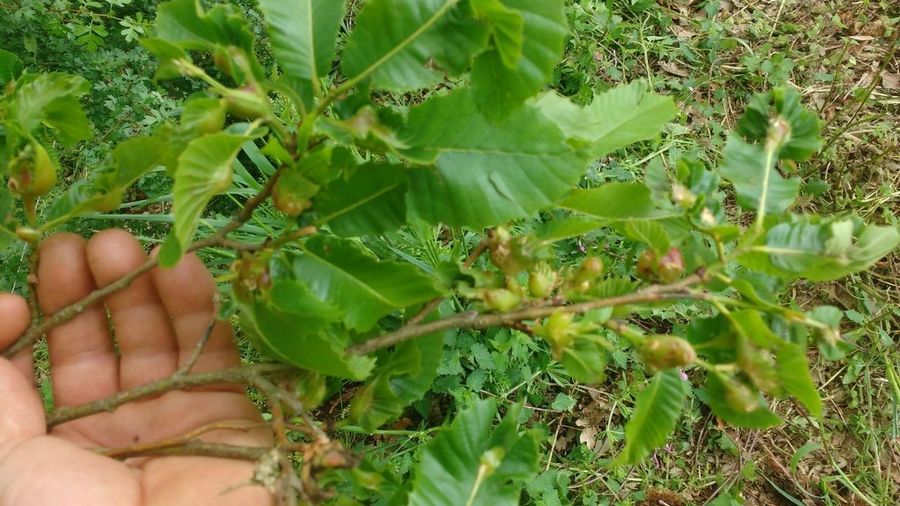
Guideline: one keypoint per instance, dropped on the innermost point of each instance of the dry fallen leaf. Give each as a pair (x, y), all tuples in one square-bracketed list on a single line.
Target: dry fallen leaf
[(890, 81)]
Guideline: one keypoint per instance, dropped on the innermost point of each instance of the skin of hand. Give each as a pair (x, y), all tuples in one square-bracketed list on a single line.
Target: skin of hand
[(156, 323)]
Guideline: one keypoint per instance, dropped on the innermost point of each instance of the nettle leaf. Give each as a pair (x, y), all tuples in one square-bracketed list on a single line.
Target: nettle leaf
[(484, 173), (757, 182), (204, 171), (656, 413), (342, 273), (51, 100), (614, 202), (507, 28), (616, 118), (500, 89), (295, 327), (759, 418), (372, 201), (469, 464), (823, 251), (793, 372), (396, 43), (400, 379), (303, 34), (11, 67)]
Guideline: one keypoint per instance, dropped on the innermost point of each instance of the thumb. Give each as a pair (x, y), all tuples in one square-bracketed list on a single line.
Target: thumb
[(21, 412)]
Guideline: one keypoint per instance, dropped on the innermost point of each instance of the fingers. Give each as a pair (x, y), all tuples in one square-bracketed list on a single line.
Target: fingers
[(147, 346), (21, 413), (14, 319), (187, 291), (83, 363)]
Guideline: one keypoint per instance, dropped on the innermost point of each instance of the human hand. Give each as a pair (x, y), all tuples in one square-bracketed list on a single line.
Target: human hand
[(157, 323)]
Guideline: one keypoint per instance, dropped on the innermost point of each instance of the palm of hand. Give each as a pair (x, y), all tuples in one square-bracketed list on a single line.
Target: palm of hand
[(157, 322)]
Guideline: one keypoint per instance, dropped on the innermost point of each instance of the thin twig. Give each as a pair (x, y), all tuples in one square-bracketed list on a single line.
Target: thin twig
[(197, 449), (474, 320), (184, 439), (201, 344), (240, 375)]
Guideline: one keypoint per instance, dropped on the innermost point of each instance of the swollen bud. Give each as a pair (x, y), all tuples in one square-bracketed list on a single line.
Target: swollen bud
[(289, 203), (247, 103), (541, 280), (740, 397), (682, 196), (591, 269), (666, 352), (559, 331), (501, 299), (251, 276), (32, 172), (646, 265), (671, 266)]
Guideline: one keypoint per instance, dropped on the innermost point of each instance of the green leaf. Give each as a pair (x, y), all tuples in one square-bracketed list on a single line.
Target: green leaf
[(760, 418), (342, 273), (825, 251), (585, 361), (507, 29), (650, 233), (484, 173), (394, 41), (10, 67), (655, 416), (757, 182), (186, 24), (749, 323), (204, 170), (613, 201), (793, 372), (400, 379), (52, 100), (7, 218), (802, 452), (168, 54), (565, 228), (799, 135), (294, 327), (500, 89), (468, 464), (372, 201), (616, 118), (303, 35), (131, 159)]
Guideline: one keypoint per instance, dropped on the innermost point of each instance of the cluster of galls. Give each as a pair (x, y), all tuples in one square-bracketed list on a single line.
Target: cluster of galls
[(513, 256)]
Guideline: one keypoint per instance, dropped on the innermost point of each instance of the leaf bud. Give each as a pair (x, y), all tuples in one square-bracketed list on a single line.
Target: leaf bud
[(646, 265), (559, 331), (252, 277), (28, 234), (665, 352)]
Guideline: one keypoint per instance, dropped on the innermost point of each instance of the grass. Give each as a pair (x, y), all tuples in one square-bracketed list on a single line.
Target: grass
[(711, 55)]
